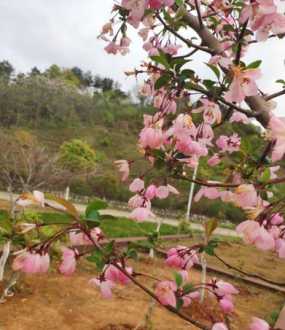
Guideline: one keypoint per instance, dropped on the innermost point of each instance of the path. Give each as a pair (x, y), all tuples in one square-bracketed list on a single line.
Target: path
[(125, 214)]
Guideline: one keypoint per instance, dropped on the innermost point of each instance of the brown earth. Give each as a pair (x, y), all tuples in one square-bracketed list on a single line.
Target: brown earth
[(55, 302)]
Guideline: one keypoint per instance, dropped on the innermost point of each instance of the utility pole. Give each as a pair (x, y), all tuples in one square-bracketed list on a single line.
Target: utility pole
[(190, 199)]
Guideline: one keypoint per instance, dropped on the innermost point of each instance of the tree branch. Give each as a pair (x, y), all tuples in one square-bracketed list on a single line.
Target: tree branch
[(169, 308), (272, 96), (186, 41), (257, 103), (245, 273)]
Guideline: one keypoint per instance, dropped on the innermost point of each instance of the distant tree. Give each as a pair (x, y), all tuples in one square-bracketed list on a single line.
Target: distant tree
[(35, 71), (78, 156), (77, 72), (25, 165), (105, 84), (53, 72), (6, 70)]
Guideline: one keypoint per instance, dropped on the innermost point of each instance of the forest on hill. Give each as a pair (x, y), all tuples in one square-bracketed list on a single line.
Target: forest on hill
[(76, 124)]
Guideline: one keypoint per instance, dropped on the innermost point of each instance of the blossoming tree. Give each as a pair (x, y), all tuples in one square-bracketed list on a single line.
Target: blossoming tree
[(180, 133)]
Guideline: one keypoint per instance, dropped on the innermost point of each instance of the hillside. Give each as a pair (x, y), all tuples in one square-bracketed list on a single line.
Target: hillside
[(60, 104)]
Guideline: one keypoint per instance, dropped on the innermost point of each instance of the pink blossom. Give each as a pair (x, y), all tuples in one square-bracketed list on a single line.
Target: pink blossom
[(277, 219), (264, 241), (162, 192), (189, 147), (277, 132), (151, 138), (280, 248), (115, 275), (141, 214), (228, 143), (253, 233), (136, 8), (150, 192), (219, 326), (180, 257), (137, 185), (125, 42), (263, 24), (169, 106), (238, 117), (187, 299), (258, 324), (172, 190), (80, 238), (273, 171), (104, 285), (246, 196), (211, 112), (214, 160), (227, 196), (107, 29), (143, 33), (208, 192), (112, 48), (157, 4), (226, 305), (222, 61), (171, 49), (68, 264), (124, 168), (31, 262), (136, 201), (165, 292), (225, 288), (243, 84), (249, 229)]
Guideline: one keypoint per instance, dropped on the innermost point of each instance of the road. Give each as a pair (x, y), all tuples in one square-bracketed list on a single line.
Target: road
[(125, 214)]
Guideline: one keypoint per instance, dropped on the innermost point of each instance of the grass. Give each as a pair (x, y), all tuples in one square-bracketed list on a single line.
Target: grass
[(117, 227), (122, 227)]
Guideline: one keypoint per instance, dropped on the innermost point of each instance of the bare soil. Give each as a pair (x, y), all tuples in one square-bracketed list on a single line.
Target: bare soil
[(55, 302)]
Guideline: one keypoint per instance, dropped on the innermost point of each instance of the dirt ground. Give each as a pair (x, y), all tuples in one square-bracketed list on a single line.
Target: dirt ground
[(55, 302)]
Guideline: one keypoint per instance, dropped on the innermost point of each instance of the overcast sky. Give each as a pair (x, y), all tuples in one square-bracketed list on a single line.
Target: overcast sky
[(42, 32)]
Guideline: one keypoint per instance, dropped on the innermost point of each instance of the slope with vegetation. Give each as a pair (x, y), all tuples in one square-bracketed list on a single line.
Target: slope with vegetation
[(61, 104)]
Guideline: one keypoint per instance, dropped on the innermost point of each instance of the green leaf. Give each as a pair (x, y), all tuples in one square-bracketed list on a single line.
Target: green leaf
[(210, 227), (56, 221), (254, 64), (97, 257), (186, 74), (210, 248), (265, 176), (177, 63), (179, 303), (132, 254), (95, 205), (93, 215), (109, 248), (209, 84), (161, 59), (162, 81), (281, 81), (187, 288), (5, 223), (61, 204), (178, 279), (179, 2), (214, 69), (107, 217)]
